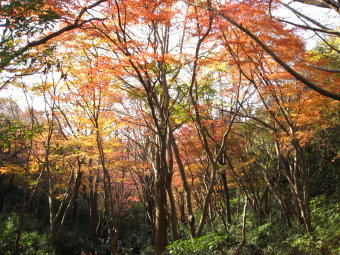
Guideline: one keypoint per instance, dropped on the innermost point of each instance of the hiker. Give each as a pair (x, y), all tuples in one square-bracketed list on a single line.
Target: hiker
[(134, 250), (119, 246)]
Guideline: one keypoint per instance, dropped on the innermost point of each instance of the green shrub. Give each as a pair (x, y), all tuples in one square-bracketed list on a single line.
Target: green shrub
[(326, 236), (31, 243), (208, 244), (148, 250)]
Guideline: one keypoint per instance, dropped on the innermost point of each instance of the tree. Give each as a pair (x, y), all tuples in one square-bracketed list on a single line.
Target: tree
[(30, 24), (184, 118), (269, 51)]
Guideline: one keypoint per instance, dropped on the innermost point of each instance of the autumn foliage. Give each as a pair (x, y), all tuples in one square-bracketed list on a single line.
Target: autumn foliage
[(179, 107)]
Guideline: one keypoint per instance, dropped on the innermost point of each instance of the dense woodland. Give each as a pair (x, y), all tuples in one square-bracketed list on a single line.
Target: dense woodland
[(177, 126)]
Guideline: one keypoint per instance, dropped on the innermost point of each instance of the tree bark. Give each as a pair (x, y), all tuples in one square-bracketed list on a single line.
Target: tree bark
[(244, 237), (161, 239), (226, 197), (173, 211), (185, 184)]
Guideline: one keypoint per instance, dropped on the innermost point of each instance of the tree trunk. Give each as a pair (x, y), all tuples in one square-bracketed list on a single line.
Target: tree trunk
[(173, 215), (244, 237), (21, 224), (226, 197), (161, 239), (93, 208), (186, 187), (60, 218), (173, 212)]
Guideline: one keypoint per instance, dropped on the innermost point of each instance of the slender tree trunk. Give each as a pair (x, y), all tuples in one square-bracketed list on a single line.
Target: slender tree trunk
[(207, 200), (305, 196), (161, 239), (2, 193), (21, 224), (182, 208), (226, 197), (173, 215), (173, 211), (93, 207), (244, 237), (187, 190), (62, 218)]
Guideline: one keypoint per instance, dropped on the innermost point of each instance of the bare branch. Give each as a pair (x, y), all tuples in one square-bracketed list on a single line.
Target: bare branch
[(312, 28), (299, 14), (280, 61), (314, 3), (326, 69)]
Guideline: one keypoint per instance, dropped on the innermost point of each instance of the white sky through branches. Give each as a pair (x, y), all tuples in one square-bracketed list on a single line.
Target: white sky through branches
[(327, 17)]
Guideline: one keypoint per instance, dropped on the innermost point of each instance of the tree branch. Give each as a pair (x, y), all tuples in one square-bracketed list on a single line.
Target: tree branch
[(76, 24), (283, 64), (326, 69), (326, 31), (314, 3)]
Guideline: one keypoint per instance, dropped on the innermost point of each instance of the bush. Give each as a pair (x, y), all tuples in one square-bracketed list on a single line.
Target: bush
[(205, 245), (32, 242), (326, 236)]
